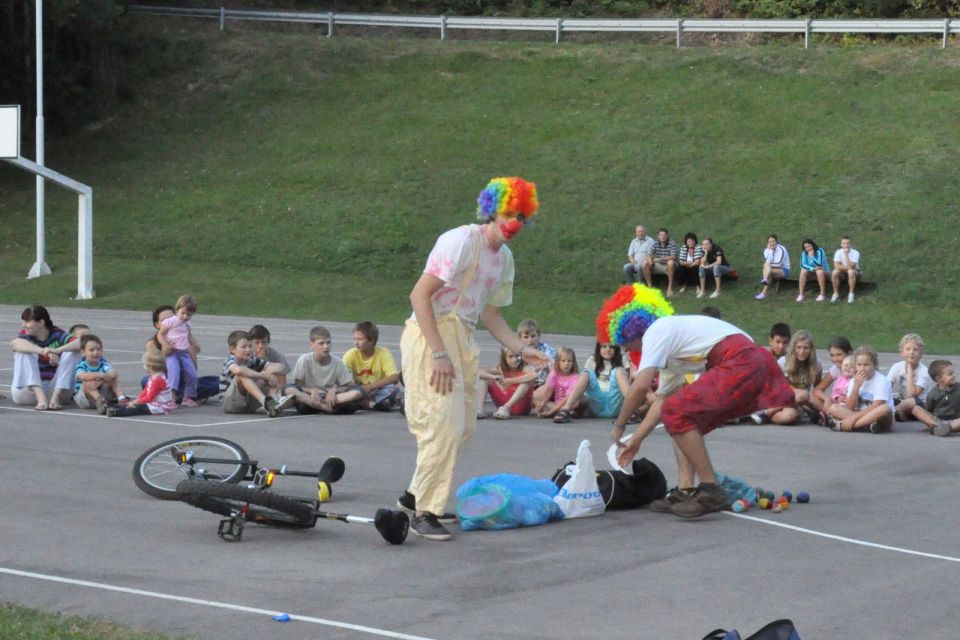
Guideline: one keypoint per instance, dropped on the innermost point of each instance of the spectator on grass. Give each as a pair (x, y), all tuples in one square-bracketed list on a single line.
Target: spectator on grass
[(638, 254), (207, 386), (714, 261), (688, 262), (846, 264), (813, 261), (44, 361), (664, 260), (373, 368), (776, 264)]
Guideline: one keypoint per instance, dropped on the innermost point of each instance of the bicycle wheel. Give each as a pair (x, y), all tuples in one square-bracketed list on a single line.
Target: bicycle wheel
[(157, 472), (260, 507)]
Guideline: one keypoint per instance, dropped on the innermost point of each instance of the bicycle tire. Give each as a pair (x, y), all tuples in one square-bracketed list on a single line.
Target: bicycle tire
[(261, 507), (156, 472)]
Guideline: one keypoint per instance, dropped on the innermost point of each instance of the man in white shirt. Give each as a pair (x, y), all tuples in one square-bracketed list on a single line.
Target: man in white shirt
[(639, 252), (846, 264)]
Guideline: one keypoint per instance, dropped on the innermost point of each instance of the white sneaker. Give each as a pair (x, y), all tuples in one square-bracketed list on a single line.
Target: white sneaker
[(834, 297), (284, 402), (850, 298), (715, 294), (699, 293), (800, 298)]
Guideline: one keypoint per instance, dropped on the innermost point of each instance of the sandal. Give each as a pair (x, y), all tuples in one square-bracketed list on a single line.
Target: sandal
[(41, 406), (502, 414), (562, 417), (54, 407)]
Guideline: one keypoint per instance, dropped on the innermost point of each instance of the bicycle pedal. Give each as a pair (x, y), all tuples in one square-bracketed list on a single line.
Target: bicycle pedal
[(231, 529)]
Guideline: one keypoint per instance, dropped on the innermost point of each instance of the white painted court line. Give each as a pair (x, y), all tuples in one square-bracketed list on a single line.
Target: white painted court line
[(209, 603), (831, 536)]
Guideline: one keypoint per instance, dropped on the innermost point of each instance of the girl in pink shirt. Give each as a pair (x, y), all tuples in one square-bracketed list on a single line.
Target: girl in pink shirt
[(560, 382)]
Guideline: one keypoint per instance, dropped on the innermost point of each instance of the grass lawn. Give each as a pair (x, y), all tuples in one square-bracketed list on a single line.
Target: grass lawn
[(20, 623), (281, 173)]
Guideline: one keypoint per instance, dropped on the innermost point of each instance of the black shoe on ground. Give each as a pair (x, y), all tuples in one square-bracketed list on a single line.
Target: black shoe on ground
[(707, 499), (665, 504), (407, 502), (427, 526), (876, 427)]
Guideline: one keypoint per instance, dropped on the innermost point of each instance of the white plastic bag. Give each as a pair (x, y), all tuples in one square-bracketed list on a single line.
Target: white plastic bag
[(580, 497)]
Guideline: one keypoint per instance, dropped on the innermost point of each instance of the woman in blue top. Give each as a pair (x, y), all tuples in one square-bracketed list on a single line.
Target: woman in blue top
[(813, 260)]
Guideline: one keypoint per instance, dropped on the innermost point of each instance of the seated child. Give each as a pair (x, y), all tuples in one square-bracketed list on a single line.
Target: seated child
[(373, 368), (842, 384), (869, 403), (175, 337), (207, 386), (96, 381), (156, 397), (247, 382), (560, 383), (529, 332), (322, 382), (909, 378), (941, 413), (260, 339), (838, 349), (510, 385), (802, 369), (602, 385)]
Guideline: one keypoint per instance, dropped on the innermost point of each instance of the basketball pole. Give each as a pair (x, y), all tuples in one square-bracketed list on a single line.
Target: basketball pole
[(40, 267)]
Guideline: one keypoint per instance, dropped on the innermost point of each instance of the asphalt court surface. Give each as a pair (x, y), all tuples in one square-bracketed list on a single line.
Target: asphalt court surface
[(874, 555)]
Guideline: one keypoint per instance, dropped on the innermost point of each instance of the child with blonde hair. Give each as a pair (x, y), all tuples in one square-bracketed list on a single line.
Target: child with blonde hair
[(909, 378), (156, 397), (803, 372), (174, 337), (560, 383), (869, 405), (510, 385)]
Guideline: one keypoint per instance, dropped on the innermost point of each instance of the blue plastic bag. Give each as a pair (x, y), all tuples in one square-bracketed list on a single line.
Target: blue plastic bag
[(506, 501), (737, 488)]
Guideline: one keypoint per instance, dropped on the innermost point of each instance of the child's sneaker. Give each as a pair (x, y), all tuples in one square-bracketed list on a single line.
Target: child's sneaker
[(189, 402), (270, 406), (942, 428), (876, 427), (427, 526), (102, 406), (707, 498), (760, 417), (284, 402), (111, 412)]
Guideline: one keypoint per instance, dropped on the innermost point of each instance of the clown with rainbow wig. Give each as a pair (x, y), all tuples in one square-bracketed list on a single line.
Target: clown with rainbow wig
[(468, 277), (737, 377)]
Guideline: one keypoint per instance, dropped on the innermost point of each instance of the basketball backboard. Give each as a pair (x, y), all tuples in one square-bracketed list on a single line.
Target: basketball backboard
[(9, 131)]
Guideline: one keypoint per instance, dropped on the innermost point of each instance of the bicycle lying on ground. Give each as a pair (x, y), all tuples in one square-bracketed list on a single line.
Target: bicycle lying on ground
[(217, 475)]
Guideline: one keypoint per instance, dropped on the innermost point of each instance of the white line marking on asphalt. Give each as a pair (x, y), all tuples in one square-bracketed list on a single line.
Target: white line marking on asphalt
[(188, 425), (831, 536), (209, 603)]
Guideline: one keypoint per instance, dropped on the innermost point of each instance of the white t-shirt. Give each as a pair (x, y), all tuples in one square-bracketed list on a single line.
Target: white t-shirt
[(842, 259), (678, 345), (777, 257), (876, 388), (921, 378), (452, 260)]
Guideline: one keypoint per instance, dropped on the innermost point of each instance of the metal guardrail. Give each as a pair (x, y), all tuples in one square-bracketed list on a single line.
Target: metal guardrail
[(558, 26)]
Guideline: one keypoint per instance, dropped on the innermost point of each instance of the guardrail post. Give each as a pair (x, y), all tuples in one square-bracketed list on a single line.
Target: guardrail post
[(443, 27), (806, 33), (559, 30), (946, 32), (330, 24), (223, 18), (679, 32)]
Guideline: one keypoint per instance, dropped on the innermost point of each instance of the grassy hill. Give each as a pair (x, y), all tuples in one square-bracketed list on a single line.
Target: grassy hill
[(279, 173)]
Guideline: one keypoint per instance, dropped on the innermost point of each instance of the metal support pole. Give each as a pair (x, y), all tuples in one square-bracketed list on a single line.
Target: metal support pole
[(946, 32), (223, 18), (85, 246), (330, 24), (443, 27), (40, 267), (806, 34), (559, 30), (679, 32)]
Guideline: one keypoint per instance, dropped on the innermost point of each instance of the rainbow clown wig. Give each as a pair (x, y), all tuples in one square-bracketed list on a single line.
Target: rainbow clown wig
[(629, 313), (510, 197)]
